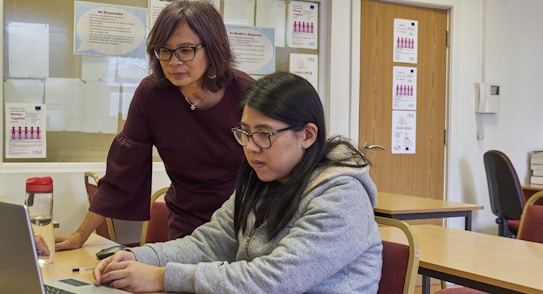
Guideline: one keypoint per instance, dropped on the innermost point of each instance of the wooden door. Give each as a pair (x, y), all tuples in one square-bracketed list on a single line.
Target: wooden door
[(422, 173)]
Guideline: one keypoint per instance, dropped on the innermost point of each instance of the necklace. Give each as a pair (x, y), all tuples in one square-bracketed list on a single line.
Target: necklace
[(192, 105)]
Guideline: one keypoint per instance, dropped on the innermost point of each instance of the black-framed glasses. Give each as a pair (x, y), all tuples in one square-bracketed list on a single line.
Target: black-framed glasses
[(183, 53), (260, 138)]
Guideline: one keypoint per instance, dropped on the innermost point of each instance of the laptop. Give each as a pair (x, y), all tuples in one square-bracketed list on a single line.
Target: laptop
[(19, 268)]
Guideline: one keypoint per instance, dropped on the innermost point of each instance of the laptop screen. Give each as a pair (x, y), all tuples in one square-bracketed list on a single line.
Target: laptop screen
[(19, 268), (20, 271)]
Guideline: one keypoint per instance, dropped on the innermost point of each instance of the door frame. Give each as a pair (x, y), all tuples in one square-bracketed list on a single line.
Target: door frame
[(452, 72)]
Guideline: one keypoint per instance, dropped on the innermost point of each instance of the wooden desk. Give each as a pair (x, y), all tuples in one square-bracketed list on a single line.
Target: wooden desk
[(486, 262), (65, 261), (83, 257), (405, 207), (531, 189)]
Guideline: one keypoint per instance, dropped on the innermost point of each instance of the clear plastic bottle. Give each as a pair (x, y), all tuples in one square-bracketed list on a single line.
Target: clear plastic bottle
[(39, 200)]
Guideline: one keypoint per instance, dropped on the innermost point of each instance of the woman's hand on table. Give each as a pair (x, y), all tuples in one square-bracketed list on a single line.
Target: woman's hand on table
[(69, 241), (122, 271)]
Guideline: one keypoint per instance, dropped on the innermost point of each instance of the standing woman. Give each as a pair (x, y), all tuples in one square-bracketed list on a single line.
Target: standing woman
[(185, 108), (300, 221)]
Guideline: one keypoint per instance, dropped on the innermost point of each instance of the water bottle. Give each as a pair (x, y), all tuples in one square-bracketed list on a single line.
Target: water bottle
[(39, 201)]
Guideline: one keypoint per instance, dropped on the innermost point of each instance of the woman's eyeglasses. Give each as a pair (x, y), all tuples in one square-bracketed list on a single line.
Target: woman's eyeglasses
[(261, 139), (183, 53)]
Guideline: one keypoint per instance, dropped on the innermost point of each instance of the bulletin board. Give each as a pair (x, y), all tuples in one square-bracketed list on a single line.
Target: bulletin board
[(85, 90)]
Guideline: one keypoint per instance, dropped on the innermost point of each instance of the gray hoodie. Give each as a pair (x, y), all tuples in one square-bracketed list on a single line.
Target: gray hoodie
[(331, 245)]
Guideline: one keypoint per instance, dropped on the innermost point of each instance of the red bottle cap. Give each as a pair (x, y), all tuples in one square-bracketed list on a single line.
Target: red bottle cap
[(39, 184)]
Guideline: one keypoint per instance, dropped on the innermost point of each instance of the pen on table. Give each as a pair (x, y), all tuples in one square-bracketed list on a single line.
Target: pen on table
[(80, 269)]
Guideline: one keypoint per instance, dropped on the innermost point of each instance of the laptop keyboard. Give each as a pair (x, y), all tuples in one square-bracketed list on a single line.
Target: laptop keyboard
[(55, 290)]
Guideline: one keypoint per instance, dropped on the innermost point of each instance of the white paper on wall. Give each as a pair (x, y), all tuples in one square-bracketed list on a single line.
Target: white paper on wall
[(24, 91), (25, 59), (102, 105), (404, 132), (63, 97)]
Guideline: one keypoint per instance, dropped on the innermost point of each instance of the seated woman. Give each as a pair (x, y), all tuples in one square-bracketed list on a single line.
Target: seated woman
[(300, 221)]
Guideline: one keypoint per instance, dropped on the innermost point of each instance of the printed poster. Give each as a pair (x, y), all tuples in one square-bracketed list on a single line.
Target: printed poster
[(253, 48), (404, 88), (25, 130), (303, 24), (306, 66), (24, 60), (155, 7), (405, 40), (115, 30), (404, 131)]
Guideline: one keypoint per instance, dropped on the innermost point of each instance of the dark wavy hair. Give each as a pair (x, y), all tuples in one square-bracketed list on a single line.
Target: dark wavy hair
[(208, 24), (290, 99)]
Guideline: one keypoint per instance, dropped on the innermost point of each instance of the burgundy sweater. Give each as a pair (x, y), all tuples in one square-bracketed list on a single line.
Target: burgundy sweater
[(200, 155)]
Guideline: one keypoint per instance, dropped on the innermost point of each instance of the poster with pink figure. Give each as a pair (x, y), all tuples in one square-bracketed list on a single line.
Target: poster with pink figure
[(303, 24), (25, 130), (405, 40), (404, 88)]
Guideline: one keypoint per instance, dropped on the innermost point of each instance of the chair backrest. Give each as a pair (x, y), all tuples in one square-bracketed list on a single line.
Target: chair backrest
[(400, 261), (106, 229), (505, 190), (156, 228), (531, 221)]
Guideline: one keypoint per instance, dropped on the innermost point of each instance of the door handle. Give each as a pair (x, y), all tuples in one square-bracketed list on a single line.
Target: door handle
[(367, 147)]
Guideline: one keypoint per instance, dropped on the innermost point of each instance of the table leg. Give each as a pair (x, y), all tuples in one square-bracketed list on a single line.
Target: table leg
[(425, 284), (467, 224)]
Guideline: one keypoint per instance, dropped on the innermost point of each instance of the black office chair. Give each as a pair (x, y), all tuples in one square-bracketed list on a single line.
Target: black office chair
[(505, 191)]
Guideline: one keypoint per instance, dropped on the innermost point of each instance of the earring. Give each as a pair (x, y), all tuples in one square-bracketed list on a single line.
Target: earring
[(212, 76)]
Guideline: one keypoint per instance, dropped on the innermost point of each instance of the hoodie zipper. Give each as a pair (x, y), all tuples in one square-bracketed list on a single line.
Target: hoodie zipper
[(248, 240)]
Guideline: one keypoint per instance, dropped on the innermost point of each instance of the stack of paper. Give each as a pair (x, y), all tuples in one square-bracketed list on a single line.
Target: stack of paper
[(536, 165)]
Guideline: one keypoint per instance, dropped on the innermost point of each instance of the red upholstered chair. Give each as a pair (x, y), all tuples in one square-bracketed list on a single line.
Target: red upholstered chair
[(531, 221), (156, 228), (400, 261), (106, 229), (530, 229)]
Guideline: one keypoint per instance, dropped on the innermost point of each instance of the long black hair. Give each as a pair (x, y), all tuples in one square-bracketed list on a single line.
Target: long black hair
[(290, 99)]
